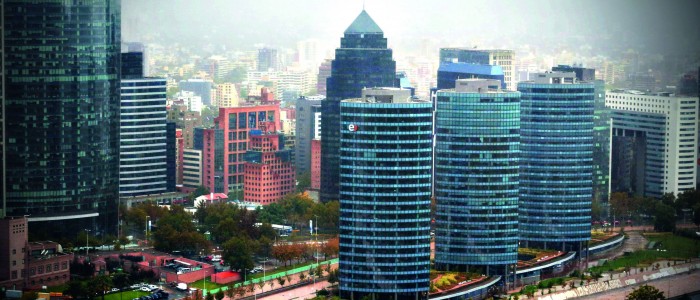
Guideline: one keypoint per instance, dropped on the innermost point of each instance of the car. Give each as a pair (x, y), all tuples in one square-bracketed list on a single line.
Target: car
[(152, 287), (182, 286), (115, 289), (144, 289)]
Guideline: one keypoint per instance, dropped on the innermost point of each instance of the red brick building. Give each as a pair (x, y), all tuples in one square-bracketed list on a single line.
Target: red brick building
[(25, 265), (269, 170), (236, 123), (316, 164)]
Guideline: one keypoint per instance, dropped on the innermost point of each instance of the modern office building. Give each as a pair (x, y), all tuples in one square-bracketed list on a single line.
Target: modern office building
[(503, 58), (655, 139), (602, 134), (199, 87), (185, 120), (477, 133), (192, 169), (61, 114), (269, 170), (363, 60), (180, 146), (236, 123), (556, 161), (324, 71), (385, 189), (189, 99), (267, 59), (448, 73), (307, 110), (146, 138)]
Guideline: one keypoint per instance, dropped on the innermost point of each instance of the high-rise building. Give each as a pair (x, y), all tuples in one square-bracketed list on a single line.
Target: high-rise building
[(192, 169), (363, 60), (227, 95), (199, 87), (655, 138), (556, 161), (324, 71), (236, 123), (307, 108), (186, 120), (385, 189), (269, 170), (213, 175), (496, 57), (267, 59), (61, 114), (180, 145), (143, 139), (192, 101), (448, 73), (477, 140), (601, 133)]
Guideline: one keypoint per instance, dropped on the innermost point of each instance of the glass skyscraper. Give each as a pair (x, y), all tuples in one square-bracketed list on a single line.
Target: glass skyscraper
[(477, 131), (62, 61), (385, 189), (556, 169), (363, 60)]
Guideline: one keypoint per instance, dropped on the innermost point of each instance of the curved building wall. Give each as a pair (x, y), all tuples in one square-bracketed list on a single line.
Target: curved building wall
[(556, 169), (62, 62), (385, 189), (476, 181)]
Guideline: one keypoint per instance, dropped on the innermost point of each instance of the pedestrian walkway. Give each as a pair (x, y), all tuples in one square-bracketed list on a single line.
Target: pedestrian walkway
[(291, 277)]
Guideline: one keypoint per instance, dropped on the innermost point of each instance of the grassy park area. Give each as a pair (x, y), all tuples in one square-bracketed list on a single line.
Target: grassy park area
[(126, 295)]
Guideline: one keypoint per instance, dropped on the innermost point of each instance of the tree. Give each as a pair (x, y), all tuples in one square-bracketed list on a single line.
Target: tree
[(620, 204), (664, 218), (175, 231), (303, 181), (302, 276), (77, 289), (201, 190), (646, 292), (99, 284), (209, 296), (696, 215), (238, 253), (219, 295), (333, 276), (281, 281), (120, 280)]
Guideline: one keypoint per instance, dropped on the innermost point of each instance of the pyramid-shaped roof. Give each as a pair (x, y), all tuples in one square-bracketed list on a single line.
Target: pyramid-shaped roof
[(363, 24)]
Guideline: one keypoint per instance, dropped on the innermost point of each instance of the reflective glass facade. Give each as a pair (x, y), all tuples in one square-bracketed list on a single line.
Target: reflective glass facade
[(385, 189), (143, 151), (363, 60), (556, 167), (62, 61), (476, 181)]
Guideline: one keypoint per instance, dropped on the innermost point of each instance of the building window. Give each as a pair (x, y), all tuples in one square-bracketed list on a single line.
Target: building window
[(14, 251), (14, 274), (64, 265)]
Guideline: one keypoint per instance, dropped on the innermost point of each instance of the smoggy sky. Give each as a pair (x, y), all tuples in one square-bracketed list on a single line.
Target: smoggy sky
[(654, 26)]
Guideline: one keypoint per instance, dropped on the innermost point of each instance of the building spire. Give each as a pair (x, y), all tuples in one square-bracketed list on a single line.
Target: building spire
[(363, 24)]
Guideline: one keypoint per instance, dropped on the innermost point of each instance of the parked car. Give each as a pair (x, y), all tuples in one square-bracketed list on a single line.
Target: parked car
[(145, 289), (115, 290), (135, 286), (182, 286)]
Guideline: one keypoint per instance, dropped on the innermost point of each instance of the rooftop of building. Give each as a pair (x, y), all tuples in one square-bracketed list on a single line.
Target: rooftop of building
[(363, 24), (459, 67), (555, 77), (477, 49), (386, 95), (477, 85), (647, 93)]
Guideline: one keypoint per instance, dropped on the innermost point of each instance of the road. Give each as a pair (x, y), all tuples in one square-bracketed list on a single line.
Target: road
[(671, 286)]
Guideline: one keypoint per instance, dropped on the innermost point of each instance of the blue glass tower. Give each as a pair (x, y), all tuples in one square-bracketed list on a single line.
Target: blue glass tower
[(476, 178), (363, 60), (556, 169), (61, 67), (385, 189)]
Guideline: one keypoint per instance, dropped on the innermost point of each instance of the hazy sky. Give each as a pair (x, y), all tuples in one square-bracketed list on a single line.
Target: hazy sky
[(646, 25)]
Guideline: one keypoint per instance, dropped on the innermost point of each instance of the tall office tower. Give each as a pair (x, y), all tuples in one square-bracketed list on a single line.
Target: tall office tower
[(503, 58), (655, 138), (476, 178), (315, 164), (185, 119), (143, 139), (267, 59), (62, 114), (602, 135), (448, 73), (199, 87), (213, 176), (269, 170), (307, 110), (236, 123), (363, 60), (385, 189), (324, 71), (556, 161), (227, 95), (171, 156)]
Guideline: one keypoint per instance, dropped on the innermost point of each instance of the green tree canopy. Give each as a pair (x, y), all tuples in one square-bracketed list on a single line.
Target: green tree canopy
[(646, 292), (238, 253)]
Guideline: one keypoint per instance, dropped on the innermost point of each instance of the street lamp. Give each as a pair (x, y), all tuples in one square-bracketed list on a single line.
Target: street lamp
[(316, 248)]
